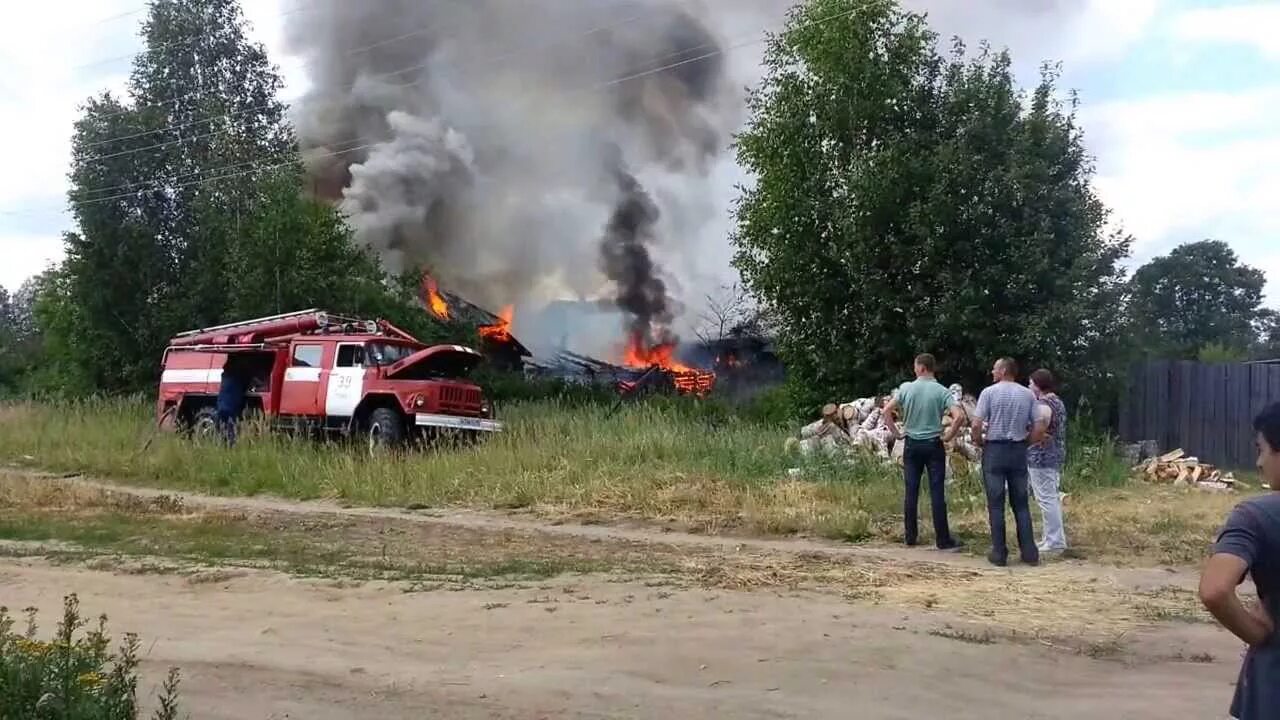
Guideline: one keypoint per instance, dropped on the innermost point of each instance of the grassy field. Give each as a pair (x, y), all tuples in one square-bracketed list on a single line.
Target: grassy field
[(684, 464)]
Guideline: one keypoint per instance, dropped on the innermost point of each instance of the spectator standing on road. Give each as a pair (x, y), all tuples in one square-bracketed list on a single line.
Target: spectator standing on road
[(923, 403), (1249, 544), (1002, 425), (1046, 458)]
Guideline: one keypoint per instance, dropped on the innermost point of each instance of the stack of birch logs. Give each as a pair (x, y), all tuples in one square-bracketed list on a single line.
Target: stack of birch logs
[(1181, 470), (848, 427)]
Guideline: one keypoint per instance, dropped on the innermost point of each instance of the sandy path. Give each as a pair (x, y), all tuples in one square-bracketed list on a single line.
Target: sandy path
[(621, 530), (262, 645)]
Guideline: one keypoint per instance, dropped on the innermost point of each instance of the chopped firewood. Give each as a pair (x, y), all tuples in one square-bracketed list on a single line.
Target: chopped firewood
[(1181, 470)]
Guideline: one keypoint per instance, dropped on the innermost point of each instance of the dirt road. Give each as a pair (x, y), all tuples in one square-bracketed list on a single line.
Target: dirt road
[(262, 645), (661, 625)]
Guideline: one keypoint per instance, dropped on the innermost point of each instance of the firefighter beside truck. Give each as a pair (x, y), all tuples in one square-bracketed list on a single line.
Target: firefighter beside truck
[(311, 370)]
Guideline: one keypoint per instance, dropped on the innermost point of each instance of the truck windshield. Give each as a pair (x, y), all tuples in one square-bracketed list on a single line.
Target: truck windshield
[(389, 353)]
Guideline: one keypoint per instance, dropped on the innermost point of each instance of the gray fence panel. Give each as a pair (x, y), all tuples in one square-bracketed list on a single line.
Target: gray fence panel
[(1205, 409)]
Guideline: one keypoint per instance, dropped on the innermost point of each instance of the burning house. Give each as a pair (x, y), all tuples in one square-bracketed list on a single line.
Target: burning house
[(638, 368), (496, 341)]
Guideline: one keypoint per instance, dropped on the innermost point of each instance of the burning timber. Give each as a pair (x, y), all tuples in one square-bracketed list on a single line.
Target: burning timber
[(572, 367), (646, 368)]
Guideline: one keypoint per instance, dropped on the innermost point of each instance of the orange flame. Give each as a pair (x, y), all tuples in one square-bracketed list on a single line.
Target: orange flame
[(433, 299), (687, 380), (499, 332), (637, 355)]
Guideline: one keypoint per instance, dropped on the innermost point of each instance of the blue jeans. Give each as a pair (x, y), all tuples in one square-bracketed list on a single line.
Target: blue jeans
[(919, 456), (1004, 474), (227, 426)]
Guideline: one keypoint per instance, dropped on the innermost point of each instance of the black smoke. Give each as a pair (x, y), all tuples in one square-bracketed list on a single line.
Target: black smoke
[(639, 291)]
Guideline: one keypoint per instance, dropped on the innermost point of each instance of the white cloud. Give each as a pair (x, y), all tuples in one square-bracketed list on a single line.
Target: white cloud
[(67, 51), (1107, 29), (1256, 25), (1193, 165), (26, 255)]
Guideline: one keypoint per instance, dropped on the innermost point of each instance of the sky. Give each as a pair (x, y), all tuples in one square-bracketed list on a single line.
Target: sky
[(1179, 100)]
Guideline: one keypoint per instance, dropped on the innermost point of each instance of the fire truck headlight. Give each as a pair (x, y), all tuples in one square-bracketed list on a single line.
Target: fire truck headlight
[(419, 401)]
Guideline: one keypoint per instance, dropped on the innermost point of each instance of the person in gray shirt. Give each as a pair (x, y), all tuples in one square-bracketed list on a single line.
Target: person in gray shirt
[(1249, 545), (1003, 424)]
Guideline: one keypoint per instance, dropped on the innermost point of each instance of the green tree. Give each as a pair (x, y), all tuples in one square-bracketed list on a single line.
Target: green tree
[(1198, 295), (909, 201), (1267, 346), (20, 342), (149, 257), (188, 196), (8, 337)]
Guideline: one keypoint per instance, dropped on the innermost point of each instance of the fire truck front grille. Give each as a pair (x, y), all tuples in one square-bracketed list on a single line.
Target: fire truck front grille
[(460, 400)]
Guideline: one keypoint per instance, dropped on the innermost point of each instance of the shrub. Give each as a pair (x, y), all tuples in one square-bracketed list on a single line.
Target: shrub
[(507, 387), (73, 676), (771, 407)]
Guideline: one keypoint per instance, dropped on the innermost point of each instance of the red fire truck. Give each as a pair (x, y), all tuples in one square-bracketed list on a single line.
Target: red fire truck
[(313, 370)]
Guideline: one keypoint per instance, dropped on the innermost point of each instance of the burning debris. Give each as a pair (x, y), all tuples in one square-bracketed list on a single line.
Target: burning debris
[(626, 380)]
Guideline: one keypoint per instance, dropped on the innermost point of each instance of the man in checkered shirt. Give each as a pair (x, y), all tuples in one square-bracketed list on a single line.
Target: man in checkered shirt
[(1003, 423)]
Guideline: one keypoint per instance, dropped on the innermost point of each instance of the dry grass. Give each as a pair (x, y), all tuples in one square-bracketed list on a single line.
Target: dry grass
[(662, 462), (1065, 605)]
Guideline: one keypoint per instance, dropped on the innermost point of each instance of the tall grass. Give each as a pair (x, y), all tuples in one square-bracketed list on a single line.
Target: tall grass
[(665, 460)]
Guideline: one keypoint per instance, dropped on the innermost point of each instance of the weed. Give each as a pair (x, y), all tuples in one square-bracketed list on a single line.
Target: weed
[(974, 638), (73, 675), (1104, 649)]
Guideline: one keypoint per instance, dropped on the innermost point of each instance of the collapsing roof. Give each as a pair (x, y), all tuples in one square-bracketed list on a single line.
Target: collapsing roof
[(494, 330)]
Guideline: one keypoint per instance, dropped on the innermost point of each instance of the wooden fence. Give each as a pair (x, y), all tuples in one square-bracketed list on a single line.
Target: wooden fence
[(1205, 409)]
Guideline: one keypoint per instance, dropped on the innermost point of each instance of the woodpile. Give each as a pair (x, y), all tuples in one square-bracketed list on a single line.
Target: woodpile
[(1181, 470), (849, 427)]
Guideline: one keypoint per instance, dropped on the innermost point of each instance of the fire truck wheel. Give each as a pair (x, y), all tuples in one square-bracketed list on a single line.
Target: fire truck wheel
[(385, 428), (204, 424)]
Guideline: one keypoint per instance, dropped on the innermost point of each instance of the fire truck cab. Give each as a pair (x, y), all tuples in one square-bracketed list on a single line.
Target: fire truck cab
[(313, 370)]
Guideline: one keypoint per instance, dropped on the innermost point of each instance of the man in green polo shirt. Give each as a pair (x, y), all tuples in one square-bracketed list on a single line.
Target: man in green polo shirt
[(923, 402)]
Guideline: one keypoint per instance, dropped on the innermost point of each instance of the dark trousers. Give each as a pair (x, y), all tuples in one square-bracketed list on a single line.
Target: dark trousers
[(1004, 473), (227, 425), (917, 457)]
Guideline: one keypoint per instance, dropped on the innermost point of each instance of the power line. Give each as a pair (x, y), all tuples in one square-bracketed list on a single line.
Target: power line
[(589, 88), (602, 85), (223, 131), (353, 51), (117, 16), (181, 176), (165, 46)]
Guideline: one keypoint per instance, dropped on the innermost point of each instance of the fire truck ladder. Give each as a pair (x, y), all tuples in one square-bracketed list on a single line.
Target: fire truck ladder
[(248, 325)]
